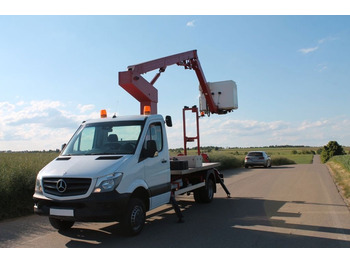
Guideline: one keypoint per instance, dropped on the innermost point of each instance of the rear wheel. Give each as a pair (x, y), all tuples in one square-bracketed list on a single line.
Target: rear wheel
[(134, 218), (60, 224), (205, 194)]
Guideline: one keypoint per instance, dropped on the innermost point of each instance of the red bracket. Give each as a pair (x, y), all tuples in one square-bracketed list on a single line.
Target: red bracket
[(147, 94), (194, 109)]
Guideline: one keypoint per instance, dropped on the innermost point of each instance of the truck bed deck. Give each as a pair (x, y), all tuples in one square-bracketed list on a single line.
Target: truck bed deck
[(205, 166)]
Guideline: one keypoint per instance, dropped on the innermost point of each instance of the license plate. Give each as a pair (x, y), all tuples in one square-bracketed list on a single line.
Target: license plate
[(62, 212)]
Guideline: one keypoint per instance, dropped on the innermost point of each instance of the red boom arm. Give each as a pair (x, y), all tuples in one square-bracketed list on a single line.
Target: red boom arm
[(147, 94)]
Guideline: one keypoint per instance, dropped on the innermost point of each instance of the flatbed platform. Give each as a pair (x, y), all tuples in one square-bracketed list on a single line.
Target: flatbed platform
[(205, 166)]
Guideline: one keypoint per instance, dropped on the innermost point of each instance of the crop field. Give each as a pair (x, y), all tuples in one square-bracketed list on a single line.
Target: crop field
[(17, 180)]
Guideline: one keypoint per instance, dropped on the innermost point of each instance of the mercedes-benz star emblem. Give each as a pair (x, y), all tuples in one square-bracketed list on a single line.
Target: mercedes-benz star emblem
[(61, 186)]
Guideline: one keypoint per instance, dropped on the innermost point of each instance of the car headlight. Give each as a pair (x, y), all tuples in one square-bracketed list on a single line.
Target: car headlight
[(38, 187), (108, 183)]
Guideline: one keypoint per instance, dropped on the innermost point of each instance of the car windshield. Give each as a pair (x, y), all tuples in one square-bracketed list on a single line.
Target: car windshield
[(107, 138)]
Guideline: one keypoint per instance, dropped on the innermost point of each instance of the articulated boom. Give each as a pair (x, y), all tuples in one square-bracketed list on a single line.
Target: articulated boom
[(147, 94)]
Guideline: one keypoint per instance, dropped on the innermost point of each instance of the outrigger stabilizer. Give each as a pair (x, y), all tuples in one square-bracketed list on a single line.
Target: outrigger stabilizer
[(220, 178), (176, 207)]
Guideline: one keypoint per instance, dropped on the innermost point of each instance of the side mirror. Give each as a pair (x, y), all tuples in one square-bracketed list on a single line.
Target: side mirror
[(168, 121)]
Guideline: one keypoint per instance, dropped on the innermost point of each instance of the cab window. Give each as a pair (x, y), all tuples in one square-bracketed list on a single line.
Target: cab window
[(155, 133)]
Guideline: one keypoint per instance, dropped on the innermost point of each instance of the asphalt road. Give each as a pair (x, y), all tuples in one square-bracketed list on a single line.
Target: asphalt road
[(287, 206)]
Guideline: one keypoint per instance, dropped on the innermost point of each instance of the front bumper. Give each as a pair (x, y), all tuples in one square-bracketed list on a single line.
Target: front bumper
[(98, 207)]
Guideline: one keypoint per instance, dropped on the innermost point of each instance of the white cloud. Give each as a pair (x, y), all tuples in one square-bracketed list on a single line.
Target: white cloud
[(320, 42), (44, 125), (308, 50), (305, 125), (191, 23), (321, 67), (38, 125), (327, 39), (84, 108), (246, 133)]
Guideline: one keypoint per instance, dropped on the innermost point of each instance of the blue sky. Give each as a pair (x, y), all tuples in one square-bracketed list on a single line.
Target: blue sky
[(292, 73)]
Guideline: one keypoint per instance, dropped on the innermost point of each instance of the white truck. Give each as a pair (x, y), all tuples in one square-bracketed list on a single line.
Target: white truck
[(117, 169)]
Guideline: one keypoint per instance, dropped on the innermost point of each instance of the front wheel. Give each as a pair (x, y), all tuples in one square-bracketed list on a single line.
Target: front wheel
[(134, 219)]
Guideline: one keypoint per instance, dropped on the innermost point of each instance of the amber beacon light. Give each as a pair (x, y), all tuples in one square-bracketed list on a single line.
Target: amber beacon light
[(103, 113), (146, 110)]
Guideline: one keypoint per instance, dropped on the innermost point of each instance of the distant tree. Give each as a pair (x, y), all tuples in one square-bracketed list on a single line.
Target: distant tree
[(331, 149), (319, 151)]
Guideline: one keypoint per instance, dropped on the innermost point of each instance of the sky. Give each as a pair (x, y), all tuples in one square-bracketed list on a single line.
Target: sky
[(292, 74)]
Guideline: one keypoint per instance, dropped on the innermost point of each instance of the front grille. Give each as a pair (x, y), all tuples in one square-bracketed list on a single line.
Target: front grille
[(66, 186)]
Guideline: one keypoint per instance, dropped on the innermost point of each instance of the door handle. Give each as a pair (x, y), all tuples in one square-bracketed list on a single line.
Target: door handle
[(164, 161)]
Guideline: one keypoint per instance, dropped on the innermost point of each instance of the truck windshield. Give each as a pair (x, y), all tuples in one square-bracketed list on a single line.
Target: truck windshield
[(108, 138)]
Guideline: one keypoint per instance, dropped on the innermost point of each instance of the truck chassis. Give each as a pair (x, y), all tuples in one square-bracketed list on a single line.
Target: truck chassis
[(199, 180)]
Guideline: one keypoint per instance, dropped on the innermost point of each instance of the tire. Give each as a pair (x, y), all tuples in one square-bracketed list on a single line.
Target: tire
[(61, 224), (134, 219), (197, 196), (205, 194)]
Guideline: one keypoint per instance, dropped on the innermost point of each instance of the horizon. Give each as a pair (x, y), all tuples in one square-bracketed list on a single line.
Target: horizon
[(188, 148)]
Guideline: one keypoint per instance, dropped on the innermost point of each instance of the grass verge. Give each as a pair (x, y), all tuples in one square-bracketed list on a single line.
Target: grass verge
[(279, 161), (340, 166), (226, 161)]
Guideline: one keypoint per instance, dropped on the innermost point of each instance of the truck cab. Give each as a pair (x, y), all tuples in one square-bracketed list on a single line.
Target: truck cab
[(112, 169)]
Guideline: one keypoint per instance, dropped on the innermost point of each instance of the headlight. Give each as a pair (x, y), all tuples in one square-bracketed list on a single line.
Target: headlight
[(108, 183), (38, 188)]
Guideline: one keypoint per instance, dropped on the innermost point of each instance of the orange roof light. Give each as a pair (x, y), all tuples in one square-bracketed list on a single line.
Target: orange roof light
[(103, 113), (147, 110)]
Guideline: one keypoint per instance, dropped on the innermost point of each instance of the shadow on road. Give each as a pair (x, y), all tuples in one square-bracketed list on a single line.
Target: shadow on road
[(233, 222)]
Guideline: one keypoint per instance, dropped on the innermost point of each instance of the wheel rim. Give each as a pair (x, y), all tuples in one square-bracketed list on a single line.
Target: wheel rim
[(210, 190), (137, 218)]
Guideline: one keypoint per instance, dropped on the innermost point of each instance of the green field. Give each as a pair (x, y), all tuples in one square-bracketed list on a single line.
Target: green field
[(279, 155), (17, 180)]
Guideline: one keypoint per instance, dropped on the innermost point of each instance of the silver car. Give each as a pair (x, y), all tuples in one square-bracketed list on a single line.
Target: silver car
[(257, 158)]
